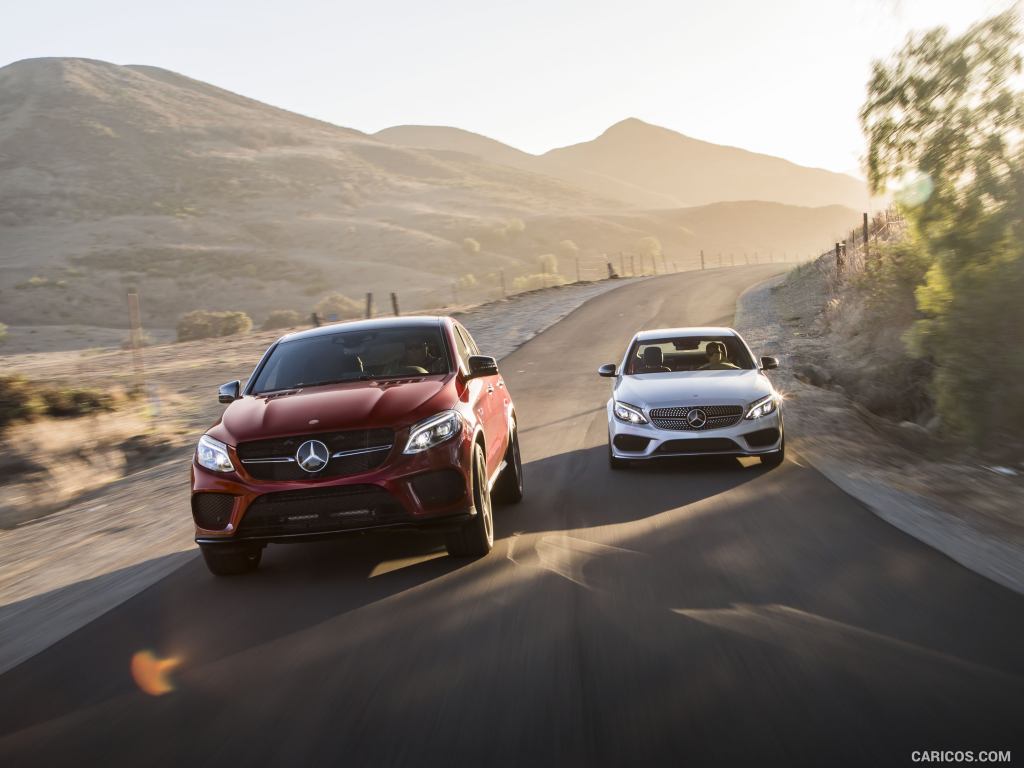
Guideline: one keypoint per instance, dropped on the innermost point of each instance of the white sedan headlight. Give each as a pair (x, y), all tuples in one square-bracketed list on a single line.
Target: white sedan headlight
[(213, 454), (628, 413), (762, 407), (433, 431)]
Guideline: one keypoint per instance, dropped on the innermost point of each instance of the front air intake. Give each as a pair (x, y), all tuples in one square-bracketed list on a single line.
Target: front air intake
[(212, 511)]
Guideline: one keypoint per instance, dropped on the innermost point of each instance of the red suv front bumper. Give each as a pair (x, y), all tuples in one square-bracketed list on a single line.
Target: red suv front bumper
[(431, 489)]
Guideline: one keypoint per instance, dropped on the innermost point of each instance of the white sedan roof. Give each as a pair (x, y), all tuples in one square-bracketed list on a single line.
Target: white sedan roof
[(662, 333)]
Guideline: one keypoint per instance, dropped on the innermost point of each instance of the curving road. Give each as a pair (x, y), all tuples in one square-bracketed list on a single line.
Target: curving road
[(700, 612)]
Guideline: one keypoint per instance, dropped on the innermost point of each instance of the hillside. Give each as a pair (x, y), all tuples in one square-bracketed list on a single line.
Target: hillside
[(652, 167), (116, 176)]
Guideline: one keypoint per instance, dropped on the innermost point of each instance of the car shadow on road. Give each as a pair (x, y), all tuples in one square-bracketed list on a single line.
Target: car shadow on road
[(578, 489)]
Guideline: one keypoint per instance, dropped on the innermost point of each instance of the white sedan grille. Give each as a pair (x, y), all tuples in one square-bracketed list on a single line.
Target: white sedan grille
[(696, 417)]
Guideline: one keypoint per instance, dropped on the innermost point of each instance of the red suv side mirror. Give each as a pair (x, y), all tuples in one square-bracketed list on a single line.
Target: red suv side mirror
[(482, 365)]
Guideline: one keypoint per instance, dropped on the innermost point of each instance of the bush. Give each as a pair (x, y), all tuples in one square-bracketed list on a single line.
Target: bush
[(23, 400), (471, 246), (534, 282), (568, 249), (282, 318), (3, 333), (339, 305), (548, 263), (18, 400), (201, 324), (75, 402)]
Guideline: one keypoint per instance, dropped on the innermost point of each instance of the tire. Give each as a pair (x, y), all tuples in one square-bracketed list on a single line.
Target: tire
[(509, 488), (774, 459), (475, 538), (231, 561), (614, 463)]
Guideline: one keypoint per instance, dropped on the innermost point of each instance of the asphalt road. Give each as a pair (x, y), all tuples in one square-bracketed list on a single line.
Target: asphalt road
[(698, 612)]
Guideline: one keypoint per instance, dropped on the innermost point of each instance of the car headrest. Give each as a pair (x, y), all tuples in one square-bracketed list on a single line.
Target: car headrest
[(653, 357)]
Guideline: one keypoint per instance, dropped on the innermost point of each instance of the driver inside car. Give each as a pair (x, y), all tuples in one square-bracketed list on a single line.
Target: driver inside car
[(718, 359)]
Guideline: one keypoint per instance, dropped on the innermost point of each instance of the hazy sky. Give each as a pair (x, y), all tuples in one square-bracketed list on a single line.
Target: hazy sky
[(785, 77)]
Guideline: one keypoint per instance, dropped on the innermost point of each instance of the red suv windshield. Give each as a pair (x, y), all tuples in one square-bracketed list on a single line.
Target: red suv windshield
[(353, 355)]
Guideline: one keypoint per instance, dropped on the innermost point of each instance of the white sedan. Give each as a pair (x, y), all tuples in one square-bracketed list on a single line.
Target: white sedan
[(692, 392)]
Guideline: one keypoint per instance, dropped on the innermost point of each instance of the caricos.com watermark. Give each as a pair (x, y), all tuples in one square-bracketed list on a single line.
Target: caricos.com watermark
[(960, 756)]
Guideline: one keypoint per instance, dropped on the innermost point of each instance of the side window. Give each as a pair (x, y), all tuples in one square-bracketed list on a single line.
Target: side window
[(473, 348), (461, 347)]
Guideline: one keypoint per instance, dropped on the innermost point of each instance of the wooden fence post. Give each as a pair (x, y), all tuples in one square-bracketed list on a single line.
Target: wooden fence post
[(867, 254), (369, 304), (135, 323), (504, 294), (577, 269), (702, 259), (394, 303)]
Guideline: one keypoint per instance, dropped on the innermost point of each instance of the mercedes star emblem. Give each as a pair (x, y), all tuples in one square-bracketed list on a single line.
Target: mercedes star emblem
[(696, 418), (312, 455)]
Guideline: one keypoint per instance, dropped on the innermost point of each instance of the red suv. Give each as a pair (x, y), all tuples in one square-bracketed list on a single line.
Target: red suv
[(389, 423)]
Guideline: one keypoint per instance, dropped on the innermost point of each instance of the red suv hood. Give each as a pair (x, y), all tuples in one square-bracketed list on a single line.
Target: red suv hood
[(362, 404)]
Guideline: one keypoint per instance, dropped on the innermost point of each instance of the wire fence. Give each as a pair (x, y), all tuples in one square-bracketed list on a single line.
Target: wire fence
[(862, 248)]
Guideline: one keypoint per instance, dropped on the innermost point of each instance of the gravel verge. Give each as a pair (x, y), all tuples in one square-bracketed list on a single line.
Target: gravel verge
[(64, 570), (966, 511)]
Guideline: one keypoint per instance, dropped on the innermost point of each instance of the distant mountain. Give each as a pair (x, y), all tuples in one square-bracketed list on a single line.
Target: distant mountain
[(115, 176), (652, 167), (457, 140)]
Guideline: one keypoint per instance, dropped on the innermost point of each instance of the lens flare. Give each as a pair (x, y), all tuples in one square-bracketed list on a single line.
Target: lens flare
[(914, 190), (150, 672)]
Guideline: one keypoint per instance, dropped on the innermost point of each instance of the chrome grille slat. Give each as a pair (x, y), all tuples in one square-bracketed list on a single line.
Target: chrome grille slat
[(718, 416)]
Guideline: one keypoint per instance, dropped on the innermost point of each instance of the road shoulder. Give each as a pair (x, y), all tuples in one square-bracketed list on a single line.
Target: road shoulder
[(858, 454)]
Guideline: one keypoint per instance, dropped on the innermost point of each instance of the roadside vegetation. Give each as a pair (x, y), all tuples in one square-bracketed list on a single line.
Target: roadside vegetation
[(22, 400), (201, 324), (945, 121)]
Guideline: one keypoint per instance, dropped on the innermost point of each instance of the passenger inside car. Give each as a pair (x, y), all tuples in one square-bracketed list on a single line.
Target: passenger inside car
[(692, 353)]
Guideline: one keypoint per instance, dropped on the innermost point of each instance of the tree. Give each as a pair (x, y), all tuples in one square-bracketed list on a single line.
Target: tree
[(946, 118)]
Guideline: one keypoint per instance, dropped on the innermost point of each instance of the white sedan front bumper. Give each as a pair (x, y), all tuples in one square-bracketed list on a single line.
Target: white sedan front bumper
[(748, 437)]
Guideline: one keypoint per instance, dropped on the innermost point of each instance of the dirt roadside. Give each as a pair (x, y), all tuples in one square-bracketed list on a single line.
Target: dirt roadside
[(966, 510)]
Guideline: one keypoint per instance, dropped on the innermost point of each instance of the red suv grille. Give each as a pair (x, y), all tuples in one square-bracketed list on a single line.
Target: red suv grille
[(360, 451)]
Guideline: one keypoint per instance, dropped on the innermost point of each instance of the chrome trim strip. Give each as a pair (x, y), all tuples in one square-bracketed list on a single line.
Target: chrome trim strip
[(358, 451), (339, 454)]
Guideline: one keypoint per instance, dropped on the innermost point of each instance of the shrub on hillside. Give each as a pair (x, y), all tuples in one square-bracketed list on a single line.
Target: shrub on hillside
[(18, 400), (75, 402), (548, 263), (201, 324), (282, 318), (24, 400), (534, 282), (339, 305), (3, 333)]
